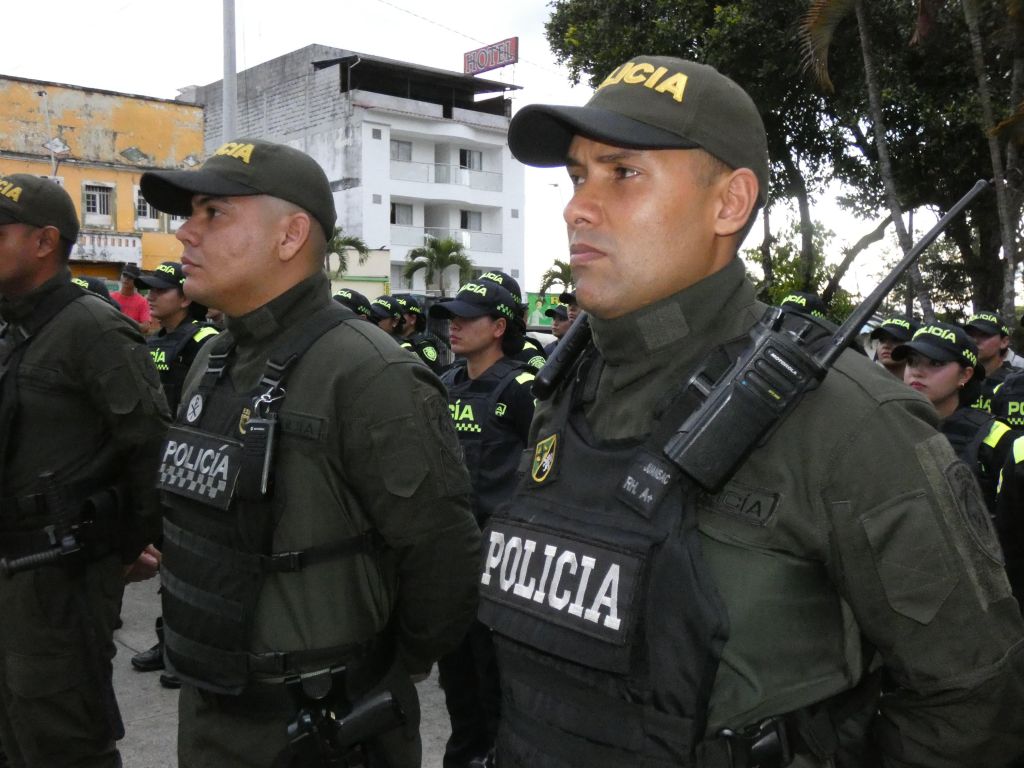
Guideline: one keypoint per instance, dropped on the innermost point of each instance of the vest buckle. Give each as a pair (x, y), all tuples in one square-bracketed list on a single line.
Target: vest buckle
[(764, 745)]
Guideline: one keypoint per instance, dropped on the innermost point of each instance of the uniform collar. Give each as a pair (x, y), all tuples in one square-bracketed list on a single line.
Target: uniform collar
[(683, 322), (299, 301), (18, 309)]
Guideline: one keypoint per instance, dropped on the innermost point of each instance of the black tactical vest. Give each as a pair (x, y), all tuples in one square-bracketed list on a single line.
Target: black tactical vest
[(166, 350), (216, 473), (1008, 400), (425, 348), (491, 451), (965, 430), (607, 621)]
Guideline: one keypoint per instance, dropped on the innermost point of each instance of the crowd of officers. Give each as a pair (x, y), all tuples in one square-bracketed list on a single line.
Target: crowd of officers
[(333, 507)]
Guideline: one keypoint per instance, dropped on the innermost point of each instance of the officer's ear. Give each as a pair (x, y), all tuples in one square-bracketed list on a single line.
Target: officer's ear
[(294, 234), (737, 191), (48, 242), (500, 326)]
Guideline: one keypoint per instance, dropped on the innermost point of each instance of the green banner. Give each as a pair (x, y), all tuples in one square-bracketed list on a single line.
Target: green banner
[(536, 304)]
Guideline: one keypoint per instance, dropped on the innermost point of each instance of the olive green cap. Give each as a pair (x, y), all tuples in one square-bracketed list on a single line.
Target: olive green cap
[(247, 167), (38, 201), (652, 102)]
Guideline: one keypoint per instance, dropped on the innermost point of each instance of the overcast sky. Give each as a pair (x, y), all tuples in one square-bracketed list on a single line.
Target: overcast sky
[(155, 48)]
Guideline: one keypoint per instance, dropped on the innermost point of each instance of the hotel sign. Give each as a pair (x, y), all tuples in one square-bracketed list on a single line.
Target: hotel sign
[(491, 56)]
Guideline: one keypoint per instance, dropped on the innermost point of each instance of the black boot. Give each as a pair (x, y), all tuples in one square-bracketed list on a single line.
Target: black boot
[(167, 680), (153, 659)]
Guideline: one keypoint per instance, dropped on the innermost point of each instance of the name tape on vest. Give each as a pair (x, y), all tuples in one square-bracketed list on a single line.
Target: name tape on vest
[(200, 466), (581, 586)]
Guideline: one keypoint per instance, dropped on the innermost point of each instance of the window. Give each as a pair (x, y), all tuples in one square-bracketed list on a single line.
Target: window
[(376, 133), (144, 210), (97, 199), (174, 222), (473, 159), (401, 213), (401, 150), (471, 220)]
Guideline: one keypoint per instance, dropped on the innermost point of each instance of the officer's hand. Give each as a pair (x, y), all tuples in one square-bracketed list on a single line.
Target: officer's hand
[(145, 566)]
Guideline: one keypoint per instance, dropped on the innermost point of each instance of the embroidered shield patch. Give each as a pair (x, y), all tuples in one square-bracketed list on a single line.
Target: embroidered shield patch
[(544, 458)]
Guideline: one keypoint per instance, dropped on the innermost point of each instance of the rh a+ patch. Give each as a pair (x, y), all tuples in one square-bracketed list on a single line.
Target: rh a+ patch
[(544, 455)]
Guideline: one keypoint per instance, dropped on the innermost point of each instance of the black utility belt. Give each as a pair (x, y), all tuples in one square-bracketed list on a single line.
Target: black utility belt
[(20, 543)]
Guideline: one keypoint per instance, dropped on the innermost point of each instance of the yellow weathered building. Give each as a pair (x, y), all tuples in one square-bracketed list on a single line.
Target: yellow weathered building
[(97, 144)]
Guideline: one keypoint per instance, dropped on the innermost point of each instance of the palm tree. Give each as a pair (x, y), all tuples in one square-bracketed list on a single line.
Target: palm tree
[(816, 29), (559, 272), (435, 257), (340, 245)]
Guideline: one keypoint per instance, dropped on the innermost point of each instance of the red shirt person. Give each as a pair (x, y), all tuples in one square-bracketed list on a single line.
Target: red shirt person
[(131, 302)]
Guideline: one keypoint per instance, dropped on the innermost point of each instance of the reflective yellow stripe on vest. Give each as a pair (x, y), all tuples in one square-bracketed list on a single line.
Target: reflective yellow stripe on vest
[(1018, 451), (997, 433), (203, 333)]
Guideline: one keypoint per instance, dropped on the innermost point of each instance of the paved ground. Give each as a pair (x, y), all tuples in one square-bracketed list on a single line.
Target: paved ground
[(150, 711)]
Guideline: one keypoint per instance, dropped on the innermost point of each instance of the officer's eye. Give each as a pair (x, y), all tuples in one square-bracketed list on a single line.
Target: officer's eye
[(621, 172), (575, 179)]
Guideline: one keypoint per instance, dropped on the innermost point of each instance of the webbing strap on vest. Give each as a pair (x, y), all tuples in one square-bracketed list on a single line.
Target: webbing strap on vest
[(18, 338), (276, 562)]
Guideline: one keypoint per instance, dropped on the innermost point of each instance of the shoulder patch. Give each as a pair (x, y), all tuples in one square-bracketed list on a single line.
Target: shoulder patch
[(525, 377)]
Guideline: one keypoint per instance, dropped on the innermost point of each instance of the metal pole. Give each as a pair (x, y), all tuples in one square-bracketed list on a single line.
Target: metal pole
[(230, 92)]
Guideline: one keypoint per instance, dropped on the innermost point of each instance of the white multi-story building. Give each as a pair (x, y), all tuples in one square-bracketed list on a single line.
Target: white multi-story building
[(410, 151)]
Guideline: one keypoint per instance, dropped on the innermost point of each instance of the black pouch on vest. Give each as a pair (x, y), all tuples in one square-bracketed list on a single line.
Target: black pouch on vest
[(257, 458)]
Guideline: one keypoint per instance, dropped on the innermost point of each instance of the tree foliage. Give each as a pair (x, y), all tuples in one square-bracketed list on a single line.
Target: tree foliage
[(559, 273), (339, 245), (437, 256), (935, 129)]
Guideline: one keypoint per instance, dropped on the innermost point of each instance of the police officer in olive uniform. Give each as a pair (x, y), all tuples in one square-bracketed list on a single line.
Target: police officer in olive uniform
[(355, 301), (805, 302), (889, 334), (182, 332), (319, 548), (641, 620), (993, 340), (560, 323), (81, 420), (940, 358), (173, 348), (491, 404), (414, 337), (386, 312), (532, 351)]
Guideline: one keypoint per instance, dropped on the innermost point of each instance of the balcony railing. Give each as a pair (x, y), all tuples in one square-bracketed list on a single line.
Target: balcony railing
[(442, 173), (487, 242)]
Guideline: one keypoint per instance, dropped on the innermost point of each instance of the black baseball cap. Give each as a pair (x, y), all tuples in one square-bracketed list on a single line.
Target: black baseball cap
[(561, 312), (384, 307), (652, 102), (988, 323), (28, 199), (168, 275), (94, 284), (477, 299), (354, 300), (900, 328), (247, 167), (805, 302), (504, 280), (944, 342)]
